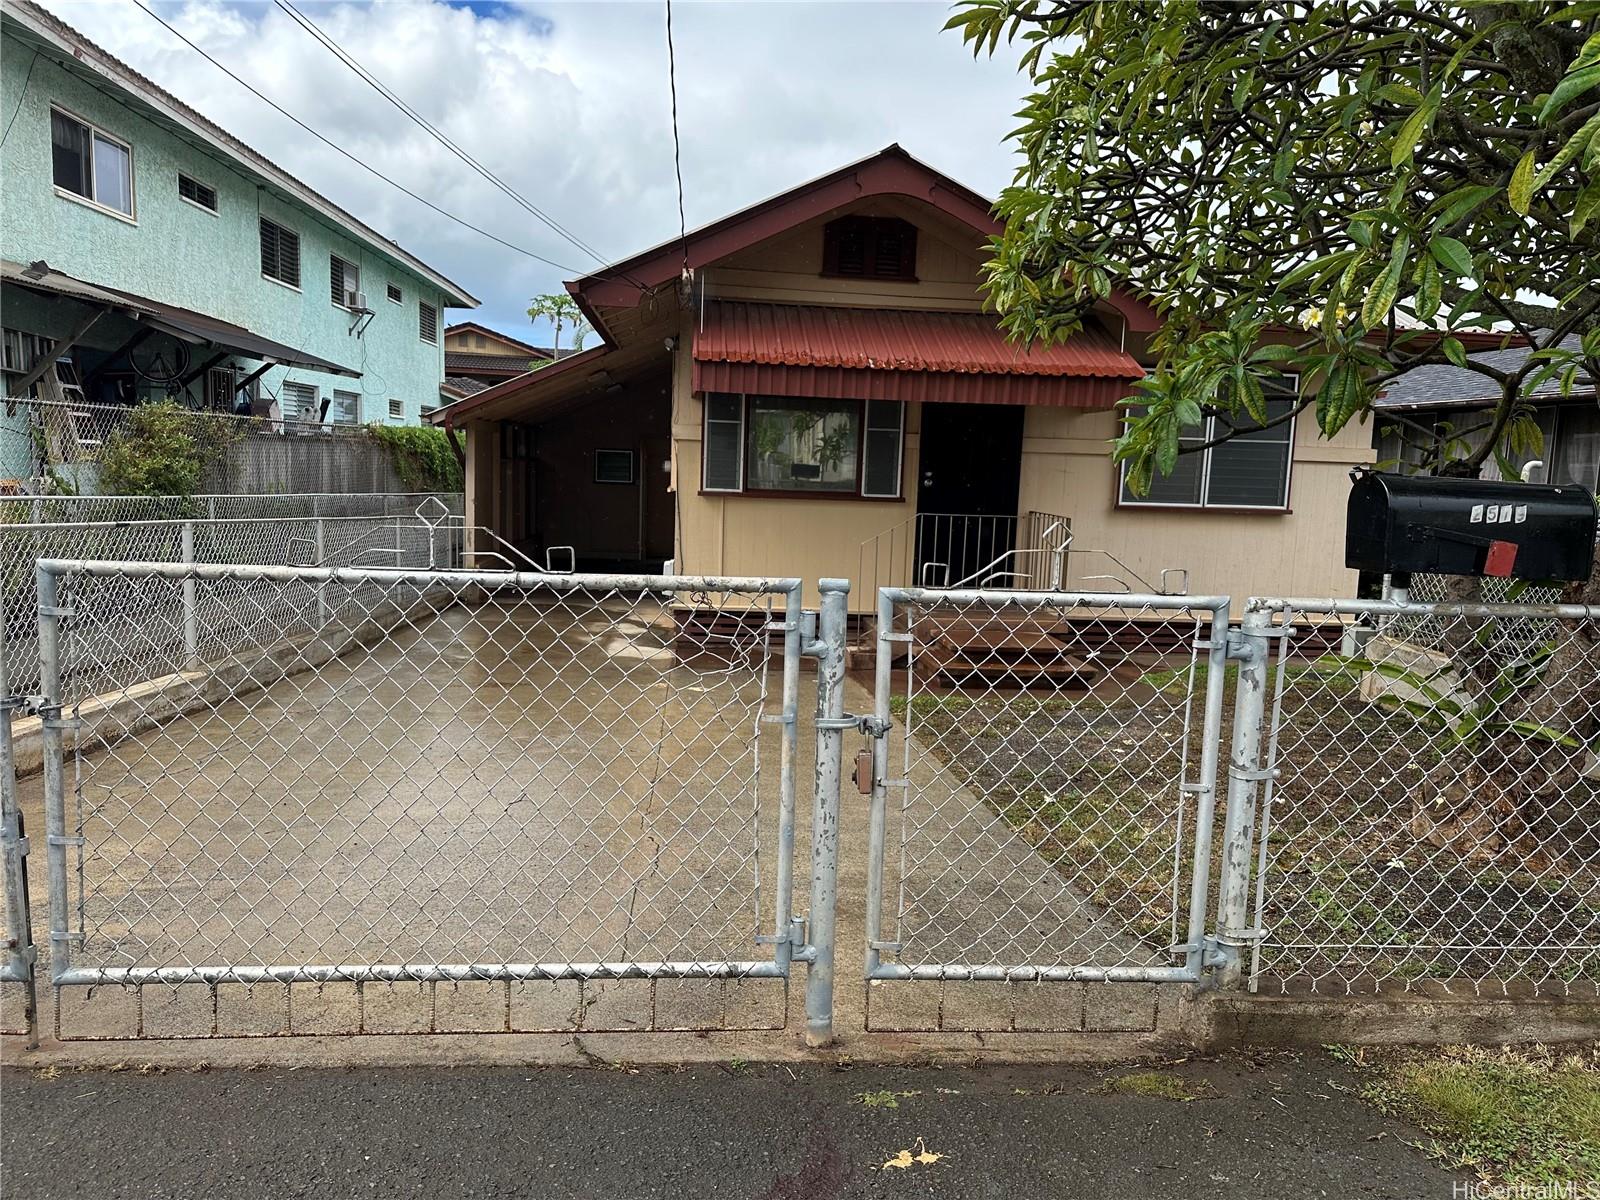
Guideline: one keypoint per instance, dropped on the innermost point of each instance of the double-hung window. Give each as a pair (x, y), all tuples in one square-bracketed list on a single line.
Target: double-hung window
[(344, 408), (788, 445), (90, 163), (1248, 471)]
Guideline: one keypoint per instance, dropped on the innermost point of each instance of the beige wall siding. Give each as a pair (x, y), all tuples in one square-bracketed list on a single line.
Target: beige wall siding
[(1066, 466), (1067, 469)]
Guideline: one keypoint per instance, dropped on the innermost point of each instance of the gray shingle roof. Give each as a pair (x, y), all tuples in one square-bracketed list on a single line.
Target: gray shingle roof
[(1440, 385)]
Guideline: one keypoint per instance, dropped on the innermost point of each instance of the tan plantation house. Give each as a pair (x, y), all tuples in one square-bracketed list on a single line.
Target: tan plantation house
[(811, 387)]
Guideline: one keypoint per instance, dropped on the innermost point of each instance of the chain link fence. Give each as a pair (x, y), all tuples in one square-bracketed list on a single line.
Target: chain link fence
[(1429, 821), (1052, 819), (465, 801), (395, 531)]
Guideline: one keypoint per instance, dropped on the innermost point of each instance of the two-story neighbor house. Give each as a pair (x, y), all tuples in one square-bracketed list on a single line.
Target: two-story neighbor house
[(474, 354), (821, 393), (150, 253)]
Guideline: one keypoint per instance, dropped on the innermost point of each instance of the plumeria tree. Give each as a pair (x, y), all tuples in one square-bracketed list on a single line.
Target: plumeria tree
[(1324, 187)]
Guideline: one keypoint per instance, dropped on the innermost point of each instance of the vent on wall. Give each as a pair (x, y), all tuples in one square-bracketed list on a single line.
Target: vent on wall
[(870, 248)]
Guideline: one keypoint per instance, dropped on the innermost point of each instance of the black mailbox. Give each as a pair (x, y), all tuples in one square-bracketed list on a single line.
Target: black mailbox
[(1441, 525)]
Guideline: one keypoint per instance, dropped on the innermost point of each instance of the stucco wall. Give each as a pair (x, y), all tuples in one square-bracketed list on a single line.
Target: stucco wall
[(181, 254)]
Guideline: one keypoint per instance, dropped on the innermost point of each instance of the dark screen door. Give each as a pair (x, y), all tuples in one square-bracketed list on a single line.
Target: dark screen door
[(971, 469)]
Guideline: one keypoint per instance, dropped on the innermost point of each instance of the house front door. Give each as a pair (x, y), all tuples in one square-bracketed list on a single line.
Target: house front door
[(969, 476)]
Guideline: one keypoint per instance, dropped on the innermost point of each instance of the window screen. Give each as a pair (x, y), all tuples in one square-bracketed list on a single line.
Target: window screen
[(613, 466), (800, 445), (880, 474), (196, 192), (280, 253), (344, 408), (1576, 456), (1250, 470), (90, 164), (724, 444)]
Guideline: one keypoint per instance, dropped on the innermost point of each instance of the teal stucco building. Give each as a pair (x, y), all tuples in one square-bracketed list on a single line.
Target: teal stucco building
[(149, 253)]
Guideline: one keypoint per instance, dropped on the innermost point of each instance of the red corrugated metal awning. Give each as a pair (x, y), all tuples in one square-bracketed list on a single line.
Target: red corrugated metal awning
[(900, 354)]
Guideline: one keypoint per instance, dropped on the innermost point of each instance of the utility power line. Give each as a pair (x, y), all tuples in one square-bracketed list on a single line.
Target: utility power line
[(276, 107), (332, 45), (677, 149)]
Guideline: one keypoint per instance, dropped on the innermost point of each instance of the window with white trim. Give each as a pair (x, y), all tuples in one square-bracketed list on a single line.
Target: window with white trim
[(280, 253), (344, 408), (344, 281), (91, 163), (1248, 471), (803, 445), (428, 323), (395, 295), (201, 195), (397, 410)]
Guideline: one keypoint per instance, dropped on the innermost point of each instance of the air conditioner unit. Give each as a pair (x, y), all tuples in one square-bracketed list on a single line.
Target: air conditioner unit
[(356, 301)]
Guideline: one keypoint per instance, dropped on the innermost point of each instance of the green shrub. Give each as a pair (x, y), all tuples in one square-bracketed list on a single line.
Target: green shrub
[(422, 456), (163, 449)]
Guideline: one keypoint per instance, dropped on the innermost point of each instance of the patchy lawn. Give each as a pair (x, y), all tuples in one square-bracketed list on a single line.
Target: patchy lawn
[(1356, 893), (1513, 1115)]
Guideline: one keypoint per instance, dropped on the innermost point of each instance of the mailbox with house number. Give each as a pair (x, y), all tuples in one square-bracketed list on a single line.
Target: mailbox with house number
[(1399, 524)]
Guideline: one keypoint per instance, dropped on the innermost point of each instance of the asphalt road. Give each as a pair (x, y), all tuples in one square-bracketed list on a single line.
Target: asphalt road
[(1275, 1126)]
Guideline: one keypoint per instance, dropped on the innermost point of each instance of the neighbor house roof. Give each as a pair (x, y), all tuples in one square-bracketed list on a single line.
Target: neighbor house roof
[(462, 361), (182, 323), (75, 52), (1444, 385), (474, 327), (900, 354), (463, 386)]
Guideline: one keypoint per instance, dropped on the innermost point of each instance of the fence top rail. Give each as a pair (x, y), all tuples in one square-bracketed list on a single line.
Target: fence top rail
[(451, 521), (1393, 608), (513, 579), (255, 497), (1048, 599)]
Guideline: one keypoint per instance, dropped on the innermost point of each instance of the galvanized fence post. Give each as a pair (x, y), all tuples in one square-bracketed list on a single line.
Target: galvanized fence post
[(52, 744), (191, 618), (1250, 649), (831, 627), (18, 963)]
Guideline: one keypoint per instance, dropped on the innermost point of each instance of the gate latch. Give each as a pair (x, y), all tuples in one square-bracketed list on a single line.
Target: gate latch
[(872, 726)]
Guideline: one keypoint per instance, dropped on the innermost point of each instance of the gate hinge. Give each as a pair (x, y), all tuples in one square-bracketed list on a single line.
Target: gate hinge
[(8, 703), (52, 610), (50, 718), (871, 725)]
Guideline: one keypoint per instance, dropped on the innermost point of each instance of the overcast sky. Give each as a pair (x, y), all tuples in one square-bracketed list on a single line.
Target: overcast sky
[(568, 103)]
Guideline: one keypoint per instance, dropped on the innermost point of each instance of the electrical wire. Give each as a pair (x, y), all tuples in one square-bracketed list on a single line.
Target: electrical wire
[(677, 148), (23, 95), (332, 45), (341, 150)]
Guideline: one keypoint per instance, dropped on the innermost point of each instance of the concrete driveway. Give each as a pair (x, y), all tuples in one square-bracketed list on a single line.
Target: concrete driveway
[(528, 783)]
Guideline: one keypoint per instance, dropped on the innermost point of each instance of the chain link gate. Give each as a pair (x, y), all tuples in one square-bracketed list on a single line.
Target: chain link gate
[(1056, 790), (1424, 778), (447, 801)]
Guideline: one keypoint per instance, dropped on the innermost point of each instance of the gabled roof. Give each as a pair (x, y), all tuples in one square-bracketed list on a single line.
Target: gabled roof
[(889, 172), (1443, 385), (77, 53), (474, 327)]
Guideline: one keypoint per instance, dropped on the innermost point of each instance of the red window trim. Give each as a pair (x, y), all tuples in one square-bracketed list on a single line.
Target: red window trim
[(745, 489)]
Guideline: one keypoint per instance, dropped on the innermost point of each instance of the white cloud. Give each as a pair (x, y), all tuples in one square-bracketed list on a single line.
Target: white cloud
[(568, 103)]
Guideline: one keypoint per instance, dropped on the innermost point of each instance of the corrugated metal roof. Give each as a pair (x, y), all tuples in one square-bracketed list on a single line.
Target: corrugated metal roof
[(793, 335)]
